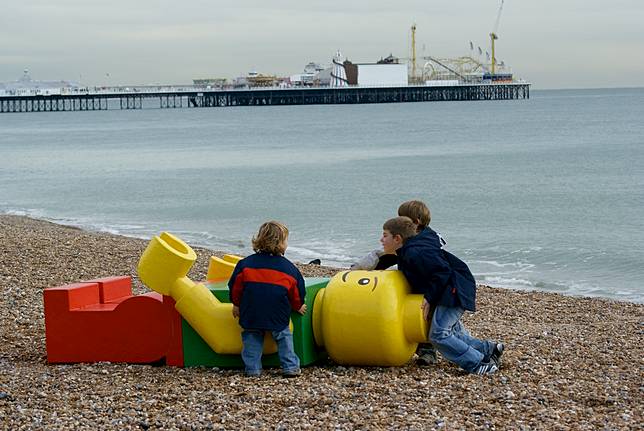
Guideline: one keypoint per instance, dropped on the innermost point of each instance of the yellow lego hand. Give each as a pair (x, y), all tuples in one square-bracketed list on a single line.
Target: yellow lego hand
[(425, 307)]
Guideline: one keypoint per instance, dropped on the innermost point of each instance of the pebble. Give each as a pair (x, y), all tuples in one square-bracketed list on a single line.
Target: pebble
[(570, 362)]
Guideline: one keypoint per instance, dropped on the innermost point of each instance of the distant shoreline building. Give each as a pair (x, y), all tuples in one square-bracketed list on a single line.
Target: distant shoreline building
[(209, 83), (338, 74), (309, 77), (386, 72), (26, 86)]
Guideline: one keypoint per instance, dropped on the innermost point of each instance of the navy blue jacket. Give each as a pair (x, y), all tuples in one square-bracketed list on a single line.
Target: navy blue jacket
[(266, 288), (440, 276)]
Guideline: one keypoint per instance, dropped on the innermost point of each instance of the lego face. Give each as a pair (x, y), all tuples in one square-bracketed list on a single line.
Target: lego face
[(361, 278)]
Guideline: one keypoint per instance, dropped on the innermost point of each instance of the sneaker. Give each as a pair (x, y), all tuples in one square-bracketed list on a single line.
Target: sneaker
[(427, 358), (497, 353), (291, 373), (486, 368)]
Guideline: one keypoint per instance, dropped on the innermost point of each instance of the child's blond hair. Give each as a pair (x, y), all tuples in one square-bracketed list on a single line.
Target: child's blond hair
[(271, 238), (417, 211)]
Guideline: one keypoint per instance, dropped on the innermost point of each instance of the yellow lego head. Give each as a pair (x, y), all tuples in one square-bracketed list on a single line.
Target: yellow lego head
[(369, 318)]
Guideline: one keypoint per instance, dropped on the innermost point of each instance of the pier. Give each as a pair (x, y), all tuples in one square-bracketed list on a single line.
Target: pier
[(147, 98)]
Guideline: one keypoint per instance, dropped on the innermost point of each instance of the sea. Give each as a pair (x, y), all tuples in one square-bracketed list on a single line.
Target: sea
[(542, 194)]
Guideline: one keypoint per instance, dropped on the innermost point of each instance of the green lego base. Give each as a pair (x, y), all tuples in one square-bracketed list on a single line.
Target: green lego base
[(197, 353)]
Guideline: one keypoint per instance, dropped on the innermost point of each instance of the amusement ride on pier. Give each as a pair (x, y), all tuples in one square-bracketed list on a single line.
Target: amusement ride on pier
[(386, 81)]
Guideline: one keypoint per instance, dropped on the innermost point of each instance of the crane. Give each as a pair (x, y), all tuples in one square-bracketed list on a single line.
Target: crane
[(413, 52), (493, 35)]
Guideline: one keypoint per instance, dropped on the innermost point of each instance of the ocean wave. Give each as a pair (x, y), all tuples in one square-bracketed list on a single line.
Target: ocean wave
[(24, 212), (326, 256), (518, 265), (515, 274), (85, 223), (211, 241), (574, 288), (499, 281)]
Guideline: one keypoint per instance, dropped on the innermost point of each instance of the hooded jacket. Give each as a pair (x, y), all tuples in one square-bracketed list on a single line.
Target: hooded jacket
[(441, 277)]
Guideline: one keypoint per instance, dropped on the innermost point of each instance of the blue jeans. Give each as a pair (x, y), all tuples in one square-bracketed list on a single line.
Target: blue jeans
[(450, 337), (253, 341)]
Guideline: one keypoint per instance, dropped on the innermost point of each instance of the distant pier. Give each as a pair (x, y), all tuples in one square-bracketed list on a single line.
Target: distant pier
[(147, 98)]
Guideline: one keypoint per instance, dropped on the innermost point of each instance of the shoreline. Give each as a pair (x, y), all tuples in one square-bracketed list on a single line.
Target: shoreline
[(572, 362), (325, 270)]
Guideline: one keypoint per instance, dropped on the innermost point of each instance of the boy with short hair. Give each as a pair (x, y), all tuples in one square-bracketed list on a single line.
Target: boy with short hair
[(446, 283), (420, 215), (264, 288)]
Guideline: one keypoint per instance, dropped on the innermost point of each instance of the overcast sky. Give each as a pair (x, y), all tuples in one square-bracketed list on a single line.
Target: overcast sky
[(551, 43)]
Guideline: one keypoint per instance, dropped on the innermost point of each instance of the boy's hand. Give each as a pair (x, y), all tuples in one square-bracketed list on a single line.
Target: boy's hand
[(235, 311), (302, 310), (425, 307)]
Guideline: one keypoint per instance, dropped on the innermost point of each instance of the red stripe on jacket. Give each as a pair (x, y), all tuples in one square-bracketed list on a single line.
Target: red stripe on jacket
[(269, 276)]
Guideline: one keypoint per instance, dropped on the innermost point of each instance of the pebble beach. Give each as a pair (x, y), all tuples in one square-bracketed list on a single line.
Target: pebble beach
[(570, 362)]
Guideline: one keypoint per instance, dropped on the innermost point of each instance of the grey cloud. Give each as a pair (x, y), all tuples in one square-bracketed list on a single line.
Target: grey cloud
[(170, 41)]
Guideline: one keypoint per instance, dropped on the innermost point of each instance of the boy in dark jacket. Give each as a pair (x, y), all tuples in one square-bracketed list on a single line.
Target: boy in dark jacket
[(447, 284), (386, 258), (264, 288)]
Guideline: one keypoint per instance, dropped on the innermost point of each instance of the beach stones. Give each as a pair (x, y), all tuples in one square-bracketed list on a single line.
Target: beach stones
[(570, 362)]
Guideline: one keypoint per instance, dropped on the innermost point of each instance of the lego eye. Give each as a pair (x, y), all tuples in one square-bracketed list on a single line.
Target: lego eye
[(363, 281)]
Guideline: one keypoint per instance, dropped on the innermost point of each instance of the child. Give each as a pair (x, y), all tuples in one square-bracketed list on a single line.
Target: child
[(264, 288), (447, 284), (419, 213)]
